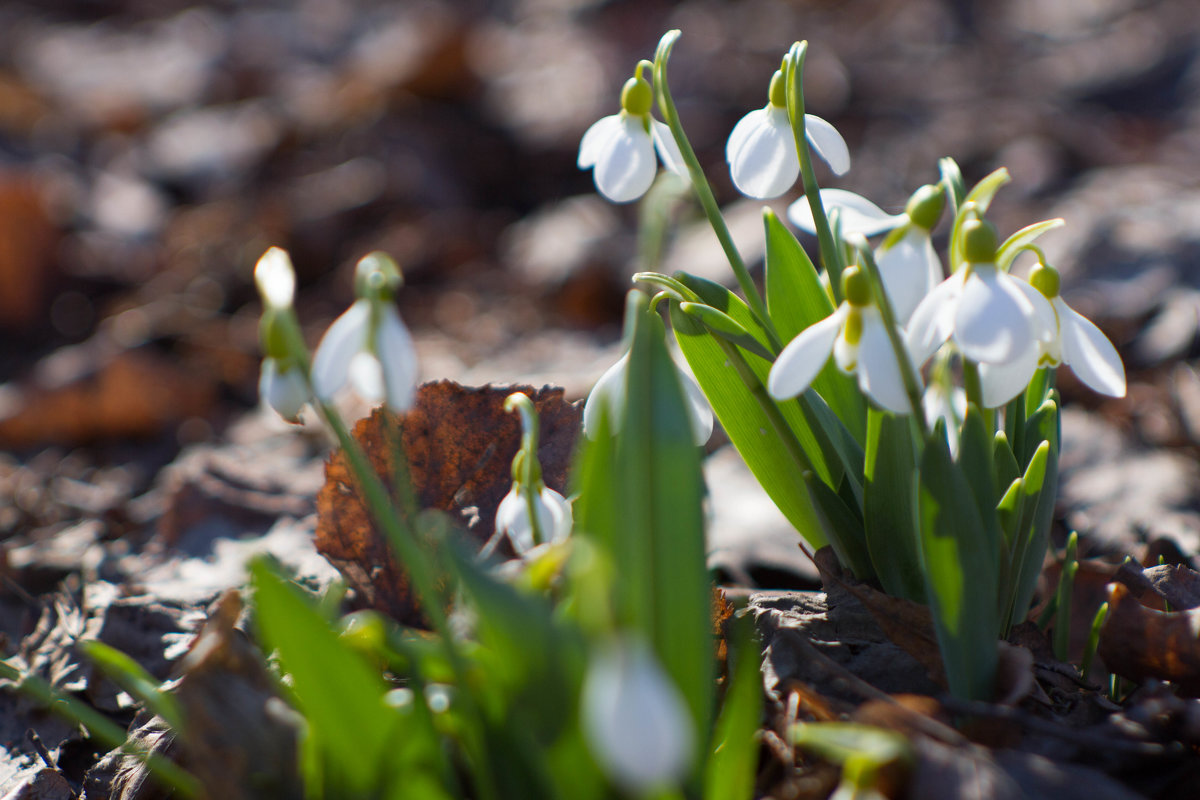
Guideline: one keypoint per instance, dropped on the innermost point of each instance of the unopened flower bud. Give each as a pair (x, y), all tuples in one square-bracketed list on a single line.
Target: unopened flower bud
[(1046, 280), (856, 287), (979, 241), (637, 96), (925, 206)]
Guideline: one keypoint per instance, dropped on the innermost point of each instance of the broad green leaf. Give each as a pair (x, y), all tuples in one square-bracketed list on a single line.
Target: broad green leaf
[(843, 527), (796, 299), (732, 763), (961, 572), (1009, 511), (889, 505), (978, 200), (721, 324), (1008, 252), (1037, 518), (1005, 463), (975, 459), (362, 742)]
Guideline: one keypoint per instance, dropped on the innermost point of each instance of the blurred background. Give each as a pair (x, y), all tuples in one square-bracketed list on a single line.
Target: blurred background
[(151, 151)]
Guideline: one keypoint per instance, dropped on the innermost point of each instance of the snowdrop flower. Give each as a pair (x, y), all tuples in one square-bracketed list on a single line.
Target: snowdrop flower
[(635, 719), (856, 336), (369, 346), (943, 401), (619, 149), (553, 516), (609, 393), (530, 514), (1071, 339), (908, 264), (282, 383), (981, 308), (761, 151)]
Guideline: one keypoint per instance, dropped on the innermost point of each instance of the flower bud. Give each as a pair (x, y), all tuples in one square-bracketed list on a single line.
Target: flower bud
[(637, 96), (925, 206), (778, 90), (1046, 280), (275, 278), (979, 241), (856, 288)]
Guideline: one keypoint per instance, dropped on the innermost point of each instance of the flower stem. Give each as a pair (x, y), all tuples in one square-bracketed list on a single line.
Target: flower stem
[(831, 255), (530, 478), (703, 191)]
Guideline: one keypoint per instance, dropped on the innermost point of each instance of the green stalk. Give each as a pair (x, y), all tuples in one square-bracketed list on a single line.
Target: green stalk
[(831, 255), (703, 191), (530, 477)]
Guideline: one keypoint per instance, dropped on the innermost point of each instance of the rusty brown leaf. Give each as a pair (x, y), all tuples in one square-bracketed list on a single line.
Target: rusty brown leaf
[(1137, 642), (459, 443)]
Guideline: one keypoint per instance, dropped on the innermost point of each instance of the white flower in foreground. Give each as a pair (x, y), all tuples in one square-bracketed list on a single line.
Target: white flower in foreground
[(908, 264), (609, 393), (635, 719), (369, 346), (1072, 339), (553, 515), (981, 308), (856, 336), (761, 150), (619, 149)]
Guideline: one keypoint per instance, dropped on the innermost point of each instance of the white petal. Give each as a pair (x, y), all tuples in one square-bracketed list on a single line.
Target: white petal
[(607, 394), (699, 412), (398, 357), (366, 376), (1089, 353), (626, 166), (345, 337), (953, 409), (595, 140), (668, 150), (765, 164), (512, 520), (932, 321), (558, 519), (275, 278), (879, 374), (1003, 382), (285, 392), (745, 126), (1045, 320), (907, 269), (828, 143), (635, 719), (804, 356), (993, 322), (857, 213)]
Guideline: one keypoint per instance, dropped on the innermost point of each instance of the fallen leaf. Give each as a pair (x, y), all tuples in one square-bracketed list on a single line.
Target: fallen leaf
[(27, 242), (1137, 642), (459, 442)]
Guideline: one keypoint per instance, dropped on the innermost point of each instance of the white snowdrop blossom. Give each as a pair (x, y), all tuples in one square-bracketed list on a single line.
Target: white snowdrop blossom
[(282, 384), (942, 401), (761, 150), (1069, 338), (369, 346), (609, 394), (856, 336), (619, 149), (283, 389), (635, 719), (982, 309), (908, 264), (275, 278), (553, 515)]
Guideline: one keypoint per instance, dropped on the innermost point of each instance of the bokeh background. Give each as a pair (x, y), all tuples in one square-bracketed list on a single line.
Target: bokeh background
[(150, 152)]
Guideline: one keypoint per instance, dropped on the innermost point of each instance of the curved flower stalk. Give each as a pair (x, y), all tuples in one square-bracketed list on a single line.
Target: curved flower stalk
[(981, 308), (282, 382), (761, 150), (609, 394), (635, 719), (369, 346), (531, 513), (619, 149), (857, 338), (908, 264), (1072, 339)]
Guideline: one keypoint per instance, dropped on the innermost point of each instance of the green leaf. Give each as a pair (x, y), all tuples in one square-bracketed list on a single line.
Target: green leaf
[(721, 324), (357, 737), (1036, 519), (133, 678), (960, 570), (976, 460), (796, 299), (979, 198), (1005, 463), (843, 527), (654, 533), (952, 177), (889, 505), (733, 757)]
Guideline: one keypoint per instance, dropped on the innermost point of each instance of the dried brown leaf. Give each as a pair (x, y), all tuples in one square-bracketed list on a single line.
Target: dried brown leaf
[(1137, 642), (459, 443)]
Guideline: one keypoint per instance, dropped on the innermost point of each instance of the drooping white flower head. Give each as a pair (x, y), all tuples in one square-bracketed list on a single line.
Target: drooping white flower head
[(981, 308), (369, 346), (856, 336), (553, 515), (609, 394), (1071, 339), (635, 719), (284, 390), (908, 264), (619, 149), (942, 401), (275, 278), (761, 150)]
